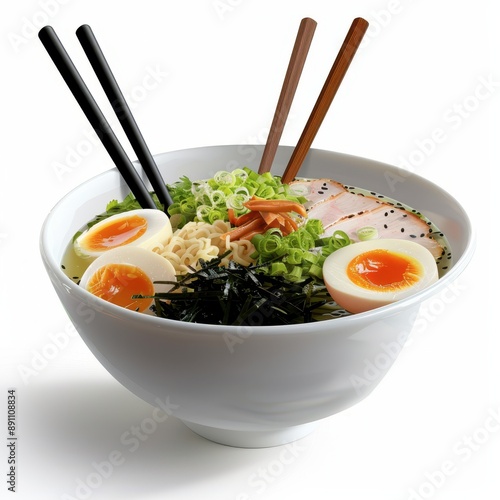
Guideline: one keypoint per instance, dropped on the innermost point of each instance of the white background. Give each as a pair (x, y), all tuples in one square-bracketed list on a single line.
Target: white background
[(219, 66)]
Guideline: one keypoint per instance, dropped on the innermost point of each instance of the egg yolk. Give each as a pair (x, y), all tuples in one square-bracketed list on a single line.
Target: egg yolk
[(117, 283), (117, 233), (382, 270)]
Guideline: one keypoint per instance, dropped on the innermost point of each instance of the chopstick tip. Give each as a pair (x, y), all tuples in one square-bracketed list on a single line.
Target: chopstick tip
[(83, 27), (46, 30), (309, 20), (361, 21)]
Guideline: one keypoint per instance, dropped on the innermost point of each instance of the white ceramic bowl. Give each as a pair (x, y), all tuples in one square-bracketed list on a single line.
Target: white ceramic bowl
[(249, 386)]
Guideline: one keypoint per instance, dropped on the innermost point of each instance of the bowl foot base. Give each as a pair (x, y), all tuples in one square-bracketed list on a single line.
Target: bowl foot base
[(252, 439)]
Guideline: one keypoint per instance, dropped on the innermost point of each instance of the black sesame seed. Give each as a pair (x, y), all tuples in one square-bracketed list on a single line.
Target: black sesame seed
[(373, 193), (413, 236), (75, 278), (402, 229), (320, 192), (405, 215), (63, 266), (392, 211), (379, 196), (386, 214), (385, 226), (422, 235)]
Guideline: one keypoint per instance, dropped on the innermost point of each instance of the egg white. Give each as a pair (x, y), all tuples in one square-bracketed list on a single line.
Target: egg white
[(355, 298), (156, 267), (158, 232)]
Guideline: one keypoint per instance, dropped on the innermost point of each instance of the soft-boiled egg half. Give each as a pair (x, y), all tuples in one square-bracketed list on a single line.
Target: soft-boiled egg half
[(121, 273), (145, 228), (374, 273)]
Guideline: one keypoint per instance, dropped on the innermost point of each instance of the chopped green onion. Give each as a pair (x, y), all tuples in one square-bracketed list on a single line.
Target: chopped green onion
[(217, 198), (300, 249), (198, 189), (236, 200), (240, 175), (367, 233), (295, 256), (300, 190), (278, 269), (174, 209), (295, 274), (314, 227), (223, 177), (316, 271), (216, 214), (225, 190), (300, 239), (269, 244), (188, 207), (266, 192), (203, 212), (338, 240), (242, 190)]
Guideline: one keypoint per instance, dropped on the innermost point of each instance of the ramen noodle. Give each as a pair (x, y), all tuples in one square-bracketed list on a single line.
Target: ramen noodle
[(201, 240)]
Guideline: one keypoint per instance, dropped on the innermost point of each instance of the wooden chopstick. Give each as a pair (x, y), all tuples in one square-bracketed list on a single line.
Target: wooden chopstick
[(325, 98), (292, 76), (122, 111), (77, 86)]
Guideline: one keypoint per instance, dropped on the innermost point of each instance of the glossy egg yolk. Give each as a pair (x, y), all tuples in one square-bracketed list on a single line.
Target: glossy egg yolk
[(117, 233), (383, 270), (117, 283)]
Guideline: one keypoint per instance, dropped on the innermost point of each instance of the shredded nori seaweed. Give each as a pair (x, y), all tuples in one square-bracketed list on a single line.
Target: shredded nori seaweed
[(238, 295)]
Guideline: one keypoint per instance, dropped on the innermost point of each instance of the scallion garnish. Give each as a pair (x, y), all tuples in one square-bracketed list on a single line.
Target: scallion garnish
[(367, 233), (301, 253), (209, 200)]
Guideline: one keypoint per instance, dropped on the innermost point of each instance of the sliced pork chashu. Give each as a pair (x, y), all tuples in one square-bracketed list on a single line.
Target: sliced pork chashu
[(390, 222), (334, 208), (316, 190)]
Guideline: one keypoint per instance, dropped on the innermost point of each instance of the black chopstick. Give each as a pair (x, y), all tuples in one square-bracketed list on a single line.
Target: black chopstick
[(95, 116), (122, 111)]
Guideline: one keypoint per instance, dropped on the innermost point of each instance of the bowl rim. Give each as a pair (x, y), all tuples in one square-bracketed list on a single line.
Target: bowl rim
[(291, 329)]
